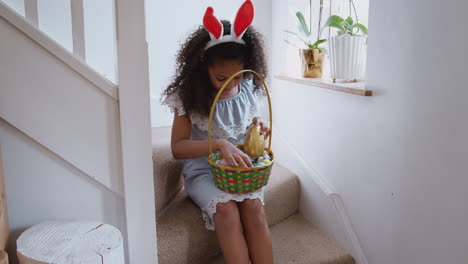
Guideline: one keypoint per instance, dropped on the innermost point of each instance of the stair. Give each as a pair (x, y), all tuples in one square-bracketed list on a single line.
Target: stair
[(166, 170), (296, 241), (182, 237)]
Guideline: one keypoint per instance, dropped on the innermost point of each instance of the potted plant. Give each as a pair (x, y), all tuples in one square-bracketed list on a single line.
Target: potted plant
[(348, 48), (312, 55)]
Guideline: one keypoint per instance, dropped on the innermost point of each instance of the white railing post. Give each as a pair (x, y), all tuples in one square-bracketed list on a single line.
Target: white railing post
[(77, 14), (133, 76), (31, 13)]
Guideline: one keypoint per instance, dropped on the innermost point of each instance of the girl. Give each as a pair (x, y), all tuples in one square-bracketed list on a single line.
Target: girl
[(208, 58)]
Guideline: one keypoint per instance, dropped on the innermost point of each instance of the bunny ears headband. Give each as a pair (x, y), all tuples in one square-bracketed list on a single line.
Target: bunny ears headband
[(242, 21)]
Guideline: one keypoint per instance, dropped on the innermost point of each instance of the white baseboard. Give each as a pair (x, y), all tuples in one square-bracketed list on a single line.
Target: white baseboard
[(348, 227), (292, 158)]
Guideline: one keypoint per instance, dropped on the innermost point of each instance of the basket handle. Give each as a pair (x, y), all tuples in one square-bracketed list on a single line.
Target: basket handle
[(210, 120)]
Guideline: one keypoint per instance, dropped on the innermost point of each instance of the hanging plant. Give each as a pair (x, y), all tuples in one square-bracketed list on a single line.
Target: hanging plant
[(349, 48), (345, 26)]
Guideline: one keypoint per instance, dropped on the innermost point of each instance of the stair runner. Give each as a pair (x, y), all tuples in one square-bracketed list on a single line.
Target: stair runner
[(182, 237)]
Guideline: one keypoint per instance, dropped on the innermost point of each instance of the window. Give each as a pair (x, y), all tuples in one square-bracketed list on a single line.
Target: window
[(311, 11)]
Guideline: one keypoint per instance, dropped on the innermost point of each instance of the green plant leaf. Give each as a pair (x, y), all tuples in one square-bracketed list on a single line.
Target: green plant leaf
[(303, 25), (291, 44), (349, 20), (339, 27), (334, 22), (306, 42), (291, 32), (361, 27), (346, 25), (318, 42), (323, 50)]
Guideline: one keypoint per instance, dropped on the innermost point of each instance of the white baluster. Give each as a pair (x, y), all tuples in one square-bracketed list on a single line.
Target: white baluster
[(30, 8), (77, 14)]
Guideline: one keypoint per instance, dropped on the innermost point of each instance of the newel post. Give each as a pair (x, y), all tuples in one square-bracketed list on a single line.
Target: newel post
[(133, 76)]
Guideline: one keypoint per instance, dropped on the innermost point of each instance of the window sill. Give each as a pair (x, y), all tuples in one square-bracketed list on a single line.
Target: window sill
[(357, 88)]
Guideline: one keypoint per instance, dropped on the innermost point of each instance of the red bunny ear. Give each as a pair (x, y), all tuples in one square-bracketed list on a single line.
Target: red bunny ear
[(244, 18), (212, 24)]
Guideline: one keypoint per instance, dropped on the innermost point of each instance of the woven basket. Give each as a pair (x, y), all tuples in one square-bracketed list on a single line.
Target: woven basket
[(236, 179)]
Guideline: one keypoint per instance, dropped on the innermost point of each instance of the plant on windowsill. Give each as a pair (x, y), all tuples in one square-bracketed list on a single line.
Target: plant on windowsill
[(312, 56), (348, 48)]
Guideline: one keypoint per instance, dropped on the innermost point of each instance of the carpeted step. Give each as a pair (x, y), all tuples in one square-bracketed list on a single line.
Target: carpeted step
[(296, 241), (182, 237), (166, 170)]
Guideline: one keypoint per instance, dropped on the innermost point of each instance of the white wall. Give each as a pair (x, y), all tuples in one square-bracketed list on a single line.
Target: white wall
[(100, 37), (41, 186), (55, 19), (17, 5), (398, 158), (168, 25)]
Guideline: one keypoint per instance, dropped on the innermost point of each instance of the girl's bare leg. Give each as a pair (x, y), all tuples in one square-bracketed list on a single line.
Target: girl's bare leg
[(256, 231), (230, 235)]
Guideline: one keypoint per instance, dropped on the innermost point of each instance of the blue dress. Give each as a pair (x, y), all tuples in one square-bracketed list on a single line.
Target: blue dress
[(230, 120)]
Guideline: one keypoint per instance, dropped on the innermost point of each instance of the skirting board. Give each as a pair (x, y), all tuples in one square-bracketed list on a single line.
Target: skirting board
[(290, 157)]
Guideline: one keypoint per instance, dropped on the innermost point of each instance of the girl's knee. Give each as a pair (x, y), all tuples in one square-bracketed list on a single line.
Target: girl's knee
[(227, 213), (252, 210)]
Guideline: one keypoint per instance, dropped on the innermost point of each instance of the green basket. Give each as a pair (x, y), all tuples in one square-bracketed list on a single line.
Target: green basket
[(236, 179)]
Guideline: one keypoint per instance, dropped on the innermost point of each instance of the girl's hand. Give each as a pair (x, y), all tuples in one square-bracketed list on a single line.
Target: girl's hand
[(264, 128), (233, 155)]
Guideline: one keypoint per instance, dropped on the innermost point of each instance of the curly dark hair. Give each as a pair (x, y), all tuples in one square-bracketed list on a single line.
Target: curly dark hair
[(191, 80)]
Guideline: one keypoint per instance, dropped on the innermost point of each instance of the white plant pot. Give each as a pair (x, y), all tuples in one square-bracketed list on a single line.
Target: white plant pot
[(348, 57)]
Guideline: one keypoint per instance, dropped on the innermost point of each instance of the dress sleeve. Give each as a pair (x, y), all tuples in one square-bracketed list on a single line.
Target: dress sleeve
[(174, 102)]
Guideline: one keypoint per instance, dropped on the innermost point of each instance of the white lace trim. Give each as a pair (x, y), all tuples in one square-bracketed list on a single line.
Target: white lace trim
[(226, 131), (210, 210), (173, 102)]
